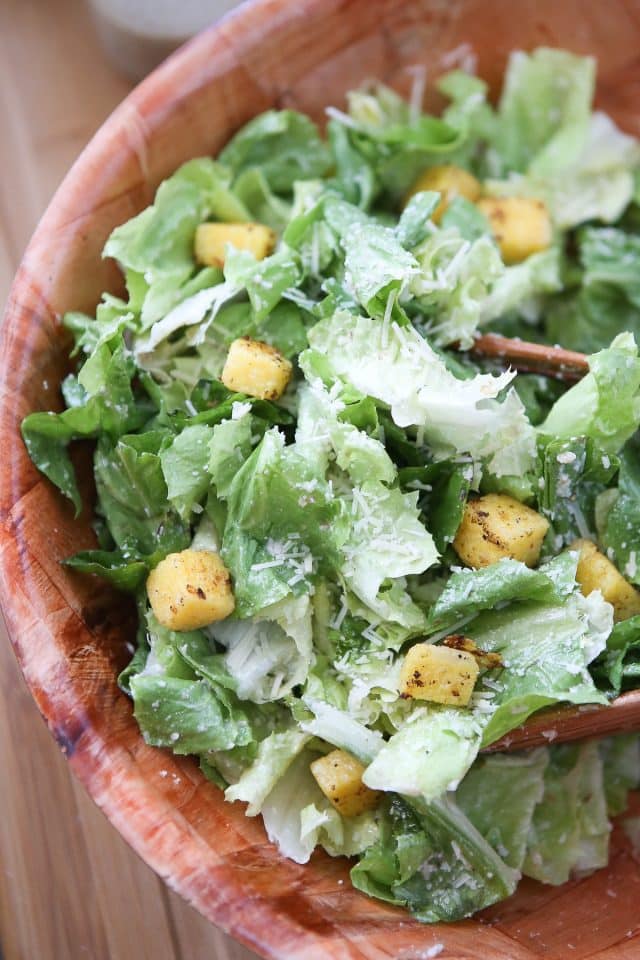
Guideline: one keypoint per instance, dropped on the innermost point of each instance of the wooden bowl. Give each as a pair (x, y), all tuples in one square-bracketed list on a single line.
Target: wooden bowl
[(70, 633)]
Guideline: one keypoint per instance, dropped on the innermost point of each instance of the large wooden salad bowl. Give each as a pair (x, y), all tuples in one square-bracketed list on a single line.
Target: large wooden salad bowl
[(70, 633)]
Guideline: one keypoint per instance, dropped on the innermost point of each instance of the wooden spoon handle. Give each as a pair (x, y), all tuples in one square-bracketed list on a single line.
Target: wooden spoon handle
[(532, 357), (559, 724)]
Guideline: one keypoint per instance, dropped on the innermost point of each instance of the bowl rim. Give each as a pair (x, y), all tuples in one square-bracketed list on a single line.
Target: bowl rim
[(114, 781)]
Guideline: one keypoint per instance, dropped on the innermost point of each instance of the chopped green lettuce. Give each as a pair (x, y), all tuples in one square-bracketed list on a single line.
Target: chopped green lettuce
[(283, 145), (544, 110), (574, 473), (335, 507), (605, 404), (178, 709), (552, 144), (158, 243), (398, 367), (467, 592), (621, 519), (546, 649), (432, 859), (275, 755), (570, 830), (429, 755), (481, 796), (621, 770)]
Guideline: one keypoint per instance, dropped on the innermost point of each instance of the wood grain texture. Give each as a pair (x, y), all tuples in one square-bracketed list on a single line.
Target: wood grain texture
[(531, 357), (70, 635), (70, 887), (560, 724)]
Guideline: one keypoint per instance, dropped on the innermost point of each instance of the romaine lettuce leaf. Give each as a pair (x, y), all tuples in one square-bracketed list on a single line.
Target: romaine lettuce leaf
[(597, 182), (605, 404), (282, 809), (177, 709), (340, 729), (376, 265), (429, 755), (619, 665), (386, 543), (229, 447), (323, 434), (589, 318), (469, 112), (432, 859), (454, 281), (395, 138), (545, 648), (524, 287), (339, 836), (99, 401), (544, 110), (122, 569), (283, 523), (621, 522), (283, 145), (577, 161), (570, 829), (187, 715), (252, 189), (574, 473), (158, 243), (607, 302), (467, 592), (621, 770), (184, 467), (397, 366), (133, 496), (414, 224), (268, 656), (499, 795), (611, 256), (354, 177), (275, 754)]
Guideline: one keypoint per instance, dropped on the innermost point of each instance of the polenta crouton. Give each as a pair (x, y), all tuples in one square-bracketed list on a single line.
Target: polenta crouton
[(211, 241), (339, 776), (596, 572), (497, 526), (190, 589), (521, 226), (439, 674), (255, 368)]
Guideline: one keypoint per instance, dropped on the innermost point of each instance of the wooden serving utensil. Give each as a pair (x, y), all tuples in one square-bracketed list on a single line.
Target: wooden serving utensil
[(560, 724), (557, 724), (532, 357)]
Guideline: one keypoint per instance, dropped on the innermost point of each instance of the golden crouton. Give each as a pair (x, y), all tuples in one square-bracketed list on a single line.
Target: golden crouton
[(190, 589), (255, 368), (339, 776), (520, 225), (596, 572), (439, 674), (450, 182), (496, 526), (212, 238)]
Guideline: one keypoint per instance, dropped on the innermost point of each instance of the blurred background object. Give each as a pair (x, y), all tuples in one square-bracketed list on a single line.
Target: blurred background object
[(137, 35)]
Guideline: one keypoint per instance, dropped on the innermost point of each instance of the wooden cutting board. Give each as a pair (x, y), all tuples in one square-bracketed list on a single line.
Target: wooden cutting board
[(70, 887)]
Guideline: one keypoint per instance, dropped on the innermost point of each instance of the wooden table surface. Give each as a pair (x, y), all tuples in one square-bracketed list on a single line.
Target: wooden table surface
[(70, 888)]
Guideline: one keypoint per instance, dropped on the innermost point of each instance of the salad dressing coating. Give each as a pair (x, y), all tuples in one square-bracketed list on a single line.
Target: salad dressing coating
[(349, 543)]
